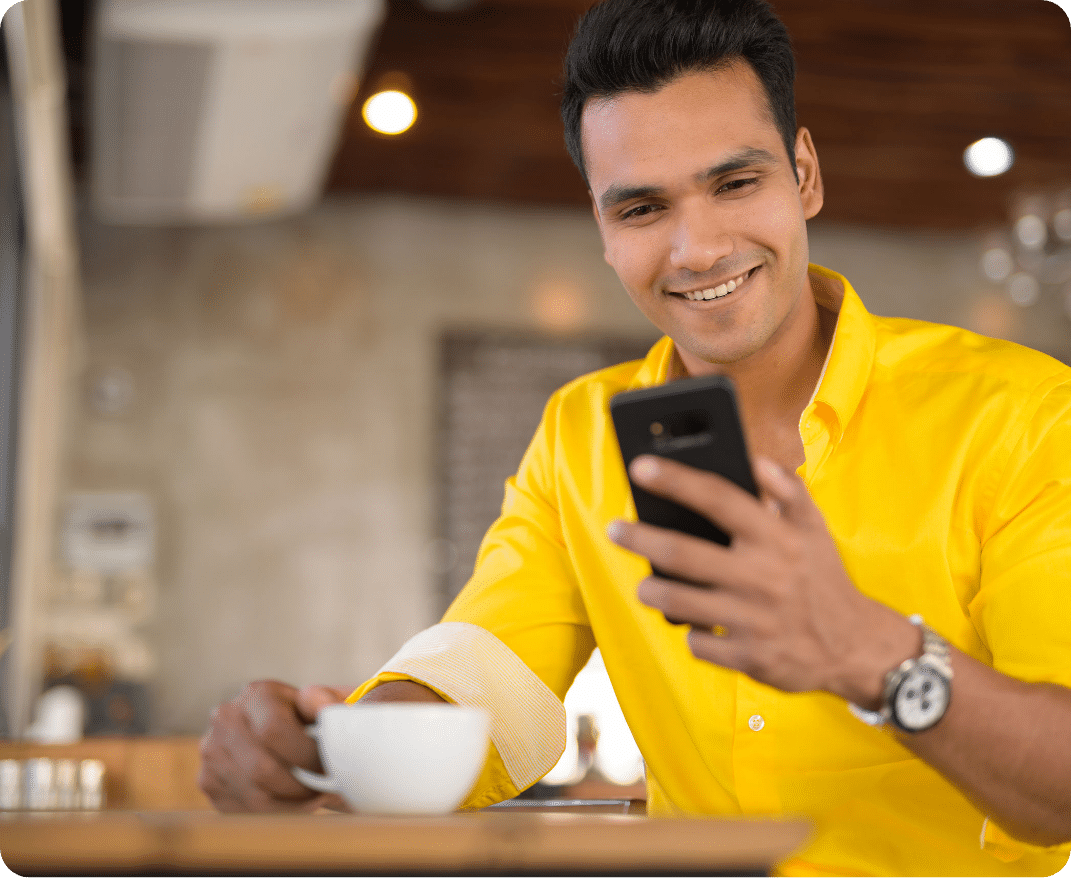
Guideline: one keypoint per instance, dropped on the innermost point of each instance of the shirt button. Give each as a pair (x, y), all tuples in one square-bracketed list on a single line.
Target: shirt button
[(756, 723)]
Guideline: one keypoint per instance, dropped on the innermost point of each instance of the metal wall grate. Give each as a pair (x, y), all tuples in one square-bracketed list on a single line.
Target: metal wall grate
[(493, 387)]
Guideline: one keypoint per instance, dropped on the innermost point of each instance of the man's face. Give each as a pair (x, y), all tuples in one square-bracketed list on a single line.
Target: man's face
[(695, 196)]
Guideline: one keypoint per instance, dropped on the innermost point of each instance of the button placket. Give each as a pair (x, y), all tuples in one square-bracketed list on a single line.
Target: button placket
[(755, 748)]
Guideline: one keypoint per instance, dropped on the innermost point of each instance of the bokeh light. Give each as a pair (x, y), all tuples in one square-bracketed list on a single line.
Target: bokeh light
[(1031, 231), (1024, 289), (988, 157), (997, 264), (389, 112)]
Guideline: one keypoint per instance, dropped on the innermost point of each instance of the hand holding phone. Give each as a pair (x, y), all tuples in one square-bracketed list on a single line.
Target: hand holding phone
[(694, 421)]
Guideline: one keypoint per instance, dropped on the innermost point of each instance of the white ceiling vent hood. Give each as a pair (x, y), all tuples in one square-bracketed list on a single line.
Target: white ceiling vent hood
[(220, 110)]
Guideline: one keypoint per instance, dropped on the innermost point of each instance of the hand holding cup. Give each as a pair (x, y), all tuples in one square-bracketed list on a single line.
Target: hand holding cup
[(399, 758), (252, 742)]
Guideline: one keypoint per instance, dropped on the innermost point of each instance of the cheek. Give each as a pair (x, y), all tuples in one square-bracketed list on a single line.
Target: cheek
[(775, 220), (791, 226), (633, 261)]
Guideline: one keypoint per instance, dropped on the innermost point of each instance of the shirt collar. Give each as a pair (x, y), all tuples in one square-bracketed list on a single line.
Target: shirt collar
[(656, 365), (848, 364), (851, 354)]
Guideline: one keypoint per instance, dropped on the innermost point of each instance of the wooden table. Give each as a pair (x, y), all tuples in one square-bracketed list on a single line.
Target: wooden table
[(488, 842)]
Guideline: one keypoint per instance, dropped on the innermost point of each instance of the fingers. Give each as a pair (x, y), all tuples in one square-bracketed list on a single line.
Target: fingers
[(702, 608), (784, 491), (725, 504), (262, 774), (310, 700), (217, 779), (717, 499), (725, 628), (251, 743), (722, 651), (213, 785), (274, 722), (689, 558)]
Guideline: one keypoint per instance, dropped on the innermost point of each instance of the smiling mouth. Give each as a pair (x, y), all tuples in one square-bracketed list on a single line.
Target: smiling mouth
[(717, 292)]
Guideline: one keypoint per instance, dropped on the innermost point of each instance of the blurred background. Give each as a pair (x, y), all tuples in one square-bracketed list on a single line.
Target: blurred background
[(266, 364)]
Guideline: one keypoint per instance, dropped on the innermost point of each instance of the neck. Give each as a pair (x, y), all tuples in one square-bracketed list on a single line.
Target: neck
[(775, 383)]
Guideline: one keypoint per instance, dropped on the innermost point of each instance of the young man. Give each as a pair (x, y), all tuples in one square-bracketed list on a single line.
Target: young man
[(883, 647)]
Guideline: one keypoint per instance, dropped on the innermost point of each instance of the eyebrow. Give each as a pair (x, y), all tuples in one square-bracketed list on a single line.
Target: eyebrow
[(618, 194)]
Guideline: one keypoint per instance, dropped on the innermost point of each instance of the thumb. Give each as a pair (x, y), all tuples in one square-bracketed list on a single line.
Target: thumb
[(311, 700)]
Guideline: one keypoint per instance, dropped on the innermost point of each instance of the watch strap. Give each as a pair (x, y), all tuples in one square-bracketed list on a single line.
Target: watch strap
[(936, 647)]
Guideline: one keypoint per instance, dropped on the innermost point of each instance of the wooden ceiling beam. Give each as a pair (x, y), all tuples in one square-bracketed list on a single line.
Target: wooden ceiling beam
[(892, 90)]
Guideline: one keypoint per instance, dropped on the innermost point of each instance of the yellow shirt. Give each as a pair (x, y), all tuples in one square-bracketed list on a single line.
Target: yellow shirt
[(941, 461)]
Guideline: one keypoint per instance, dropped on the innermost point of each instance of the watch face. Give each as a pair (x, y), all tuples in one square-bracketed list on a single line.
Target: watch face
[(921, 698)]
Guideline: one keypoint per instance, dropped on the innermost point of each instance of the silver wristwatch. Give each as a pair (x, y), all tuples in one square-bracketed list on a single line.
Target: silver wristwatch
[(918, 691)]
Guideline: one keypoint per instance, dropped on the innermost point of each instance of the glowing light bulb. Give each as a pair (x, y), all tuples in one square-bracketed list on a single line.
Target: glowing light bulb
[(389, 112), (988, 157)]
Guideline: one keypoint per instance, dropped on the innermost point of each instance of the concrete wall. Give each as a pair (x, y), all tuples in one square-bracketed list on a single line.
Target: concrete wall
[(282, 417)]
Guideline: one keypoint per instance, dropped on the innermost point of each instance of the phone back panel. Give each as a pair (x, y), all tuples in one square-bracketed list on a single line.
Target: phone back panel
[(694, 421)]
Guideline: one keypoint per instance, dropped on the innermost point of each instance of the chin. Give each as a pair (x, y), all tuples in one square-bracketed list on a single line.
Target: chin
[(717, 356)]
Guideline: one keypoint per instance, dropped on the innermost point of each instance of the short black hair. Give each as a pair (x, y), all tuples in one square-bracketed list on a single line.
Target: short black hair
[(641, 45)]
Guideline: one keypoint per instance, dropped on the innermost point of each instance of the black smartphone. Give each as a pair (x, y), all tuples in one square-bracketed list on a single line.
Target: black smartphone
[(695, 421)]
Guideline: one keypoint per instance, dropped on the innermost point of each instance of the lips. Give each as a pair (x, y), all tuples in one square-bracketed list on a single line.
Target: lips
[(718, 292)]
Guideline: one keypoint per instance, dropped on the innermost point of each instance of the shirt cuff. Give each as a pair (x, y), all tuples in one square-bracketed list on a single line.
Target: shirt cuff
[(468, 665)]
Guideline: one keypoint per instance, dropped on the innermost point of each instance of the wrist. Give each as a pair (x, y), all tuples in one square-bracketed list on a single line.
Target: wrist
[(401, 691), (882, 647)]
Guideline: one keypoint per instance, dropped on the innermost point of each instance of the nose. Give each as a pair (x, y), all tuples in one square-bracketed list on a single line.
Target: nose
[(699, 240)]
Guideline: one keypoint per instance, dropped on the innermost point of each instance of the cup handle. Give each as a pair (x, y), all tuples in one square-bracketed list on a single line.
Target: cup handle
[(319, 782)]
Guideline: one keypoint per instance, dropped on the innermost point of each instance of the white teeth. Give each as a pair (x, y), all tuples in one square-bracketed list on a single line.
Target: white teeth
[(718, 291)]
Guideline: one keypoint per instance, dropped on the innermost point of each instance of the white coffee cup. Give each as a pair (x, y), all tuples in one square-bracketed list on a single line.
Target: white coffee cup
[(399, 758)]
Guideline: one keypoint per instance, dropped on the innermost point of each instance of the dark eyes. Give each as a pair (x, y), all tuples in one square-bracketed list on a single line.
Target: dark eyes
[(737, 185), (642, 211), (639, 211)]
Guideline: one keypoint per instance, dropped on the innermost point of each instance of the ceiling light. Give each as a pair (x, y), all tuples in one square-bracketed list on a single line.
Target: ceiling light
[(389, 112), (988, 157)]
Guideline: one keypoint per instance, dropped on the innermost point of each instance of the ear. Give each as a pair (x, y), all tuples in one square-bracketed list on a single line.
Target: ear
[(598, 222), (812, 193)]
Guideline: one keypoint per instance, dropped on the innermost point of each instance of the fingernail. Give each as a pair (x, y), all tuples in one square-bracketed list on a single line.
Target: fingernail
[(615, 530), (644, 468)]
